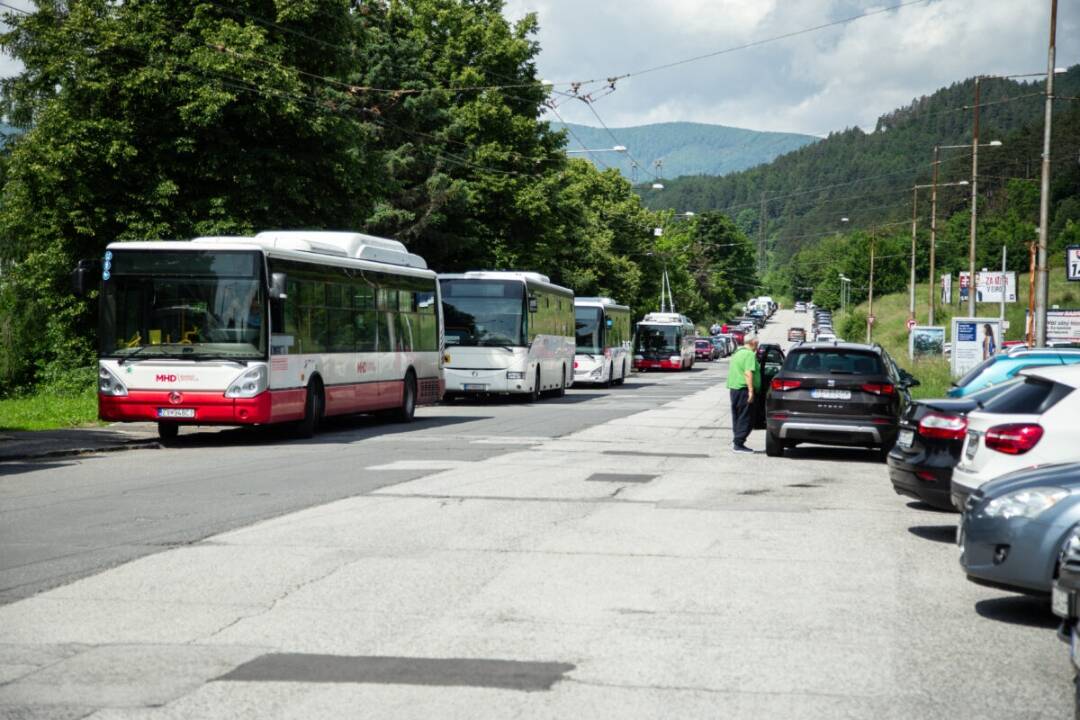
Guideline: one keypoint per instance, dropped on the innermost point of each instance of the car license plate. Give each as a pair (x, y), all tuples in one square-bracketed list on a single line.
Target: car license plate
[(474, 386), (176, 412), (826, 394), (1059, 602), (972, 445), (905, 438)]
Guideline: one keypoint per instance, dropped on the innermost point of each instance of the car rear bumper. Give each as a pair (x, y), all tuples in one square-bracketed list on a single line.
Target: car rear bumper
[(923, 481), (830, 431)]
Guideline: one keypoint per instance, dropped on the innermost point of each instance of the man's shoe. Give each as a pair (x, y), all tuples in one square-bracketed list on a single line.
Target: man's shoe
[(742, 449)]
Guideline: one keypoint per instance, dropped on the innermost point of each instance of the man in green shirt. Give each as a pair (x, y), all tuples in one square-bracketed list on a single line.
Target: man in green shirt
[(744, 378)]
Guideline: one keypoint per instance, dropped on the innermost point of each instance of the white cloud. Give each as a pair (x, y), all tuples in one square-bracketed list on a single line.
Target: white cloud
[(817, 82)]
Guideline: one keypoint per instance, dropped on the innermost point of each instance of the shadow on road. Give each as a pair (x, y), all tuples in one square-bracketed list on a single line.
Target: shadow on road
[(936, 533), (1024, 610), (838, 454), (16, 467), (924, 507)]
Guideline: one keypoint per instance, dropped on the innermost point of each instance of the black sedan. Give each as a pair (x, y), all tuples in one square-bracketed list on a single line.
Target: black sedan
[(928, 444)]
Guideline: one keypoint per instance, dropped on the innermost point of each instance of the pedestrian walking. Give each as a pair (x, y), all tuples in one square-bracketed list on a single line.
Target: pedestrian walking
[(744, 377)]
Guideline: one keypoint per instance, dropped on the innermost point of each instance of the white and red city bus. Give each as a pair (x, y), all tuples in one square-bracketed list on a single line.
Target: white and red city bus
[(283, 326), (664, 341)]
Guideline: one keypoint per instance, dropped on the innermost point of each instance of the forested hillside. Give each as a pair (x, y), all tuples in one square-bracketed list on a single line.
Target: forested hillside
[(867, 177), (684, 148)]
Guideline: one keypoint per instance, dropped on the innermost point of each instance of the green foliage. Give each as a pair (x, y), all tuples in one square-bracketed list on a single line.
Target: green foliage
[(47, 410)]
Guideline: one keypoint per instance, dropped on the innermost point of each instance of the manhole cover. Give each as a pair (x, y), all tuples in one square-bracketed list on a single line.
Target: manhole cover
[(619, 478)]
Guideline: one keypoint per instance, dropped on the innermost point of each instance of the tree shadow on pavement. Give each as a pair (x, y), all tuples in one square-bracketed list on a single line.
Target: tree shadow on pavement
[(1026, 610), (936, 533), (16, 467)]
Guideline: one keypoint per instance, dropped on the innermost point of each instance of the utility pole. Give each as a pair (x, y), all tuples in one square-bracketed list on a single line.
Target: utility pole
[(761, 237), (1042, 280), (933, 234), (1004, 282), (914, 220), (1032, 247), (974, 202), (870, 302)]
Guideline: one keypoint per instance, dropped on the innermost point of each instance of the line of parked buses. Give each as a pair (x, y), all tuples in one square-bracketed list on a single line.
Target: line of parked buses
[(296, 326)]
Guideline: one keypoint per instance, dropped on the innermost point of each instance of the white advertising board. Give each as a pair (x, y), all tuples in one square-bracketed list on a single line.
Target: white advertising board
[(990, 284), (973, 340), (946, 289), (926, 341), (1061, 325)]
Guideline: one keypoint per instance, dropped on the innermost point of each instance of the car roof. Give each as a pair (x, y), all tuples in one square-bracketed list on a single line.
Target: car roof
[(1064, 374), (839, 346)]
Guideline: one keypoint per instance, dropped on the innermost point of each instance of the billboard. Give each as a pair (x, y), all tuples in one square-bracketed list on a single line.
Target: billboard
[(1072, 262), (1061, 325), (946, 289), (926, 341), (973, 340), (990, 284)]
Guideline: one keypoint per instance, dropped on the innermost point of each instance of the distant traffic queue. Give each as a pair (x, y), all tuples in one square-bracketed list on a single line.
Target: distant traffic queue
[(297, 326)]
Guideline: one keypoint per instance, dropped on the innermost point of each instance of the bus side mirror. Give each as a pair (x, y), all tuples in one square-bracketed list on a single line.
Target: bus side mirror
[(82, 276), (533, 305), (277, 286)]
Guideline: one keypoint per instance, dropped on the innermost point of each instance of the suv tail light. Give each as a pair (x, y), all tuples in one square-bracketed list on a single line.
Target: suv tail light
[(943, 427), (879, 388), (1014, 439), (785, 385)]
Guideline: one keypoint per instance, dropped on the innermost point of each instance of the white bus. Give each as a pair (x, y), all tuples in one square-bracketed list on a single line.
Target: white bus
[(603, 341), (507, 332), (664, 341), (283, 326)]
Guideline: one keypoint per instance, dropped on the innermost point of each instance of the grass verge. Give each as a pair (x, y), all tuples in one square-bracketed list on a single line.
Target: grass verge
[(48, 411)]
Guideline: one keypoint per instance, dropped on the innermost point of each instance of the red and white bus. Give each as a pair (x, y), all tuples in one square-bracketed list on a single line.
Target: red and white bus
[(284, 326), (664, 341)]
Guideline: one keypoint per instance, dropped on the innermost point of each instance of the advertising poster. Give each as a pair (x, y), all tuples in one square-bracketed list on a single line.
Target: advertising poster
[(973, 340), (946, 289), (1061, 325), (964, 286), (991, 284), (1072, 262), (926, 341)]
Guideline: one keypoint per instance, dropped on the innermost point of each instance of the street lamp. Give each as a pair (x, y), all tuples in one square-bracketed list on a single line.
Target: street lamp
[(933, 222)]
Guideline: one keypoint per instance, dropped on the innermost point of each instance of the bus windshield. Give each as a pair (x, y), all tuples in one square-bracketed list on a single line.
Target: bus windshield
[(657, 340), (588, 323), (484, 312), (183, 303)]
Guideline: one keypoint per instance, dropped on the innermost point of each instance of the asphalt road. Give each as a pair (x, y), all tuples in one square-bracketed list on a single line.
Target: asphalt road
[(64, 519), (600, 556)]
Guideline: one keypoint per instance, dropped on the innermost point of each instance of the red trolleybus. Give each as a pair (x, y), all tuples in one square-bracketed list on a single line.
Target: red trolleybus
[(283, 326), (664, 341)]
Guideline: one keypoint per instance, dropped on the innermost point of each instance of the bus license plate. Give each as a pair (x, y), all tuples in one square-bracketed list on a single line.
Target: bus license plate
[(831, 394), (474, 386), (176, 412), (905, 438)]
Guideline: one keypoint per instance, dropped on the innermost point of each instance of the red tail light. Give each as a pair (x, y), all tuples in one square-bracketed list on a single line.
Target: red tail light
[(575, 364), (1014, 439), (785, 385), (879, 388), (943, 427)]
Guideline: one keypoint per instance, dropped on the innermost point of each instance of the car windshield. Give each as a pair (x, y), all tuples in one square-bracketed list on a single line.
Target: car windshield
[(657, 340), (483, 312), (588, 329), (836, 362), (183, 303)]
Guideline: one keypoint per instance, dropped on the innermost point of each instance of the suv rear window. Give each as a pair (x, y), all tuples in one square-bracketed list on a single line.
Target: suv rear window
[(1034, 396), (834, 361)]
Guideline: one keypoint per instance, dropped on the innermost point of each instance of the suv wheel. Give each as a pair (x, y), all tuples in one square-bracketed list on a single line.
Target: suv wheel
[(774, 447)]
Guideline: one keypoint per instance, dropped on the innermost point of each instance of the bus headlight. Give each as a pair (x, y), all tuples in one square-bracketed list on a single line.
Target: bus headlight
[(515, 376), (109, 384), (248, 383)]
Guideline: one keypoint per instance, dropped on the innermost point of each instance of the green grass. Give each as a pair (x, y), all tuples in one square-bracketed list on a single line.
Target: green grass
[(890, 328), (48, 411)]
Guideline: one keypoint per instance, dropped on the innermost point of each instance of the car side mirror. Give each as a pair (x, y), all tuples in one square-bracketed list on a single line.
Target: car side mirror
[(277, 286)]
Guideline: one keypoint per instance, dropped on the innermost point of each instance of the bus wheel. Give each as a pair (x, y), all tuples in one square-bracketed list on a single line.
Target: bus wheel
[(313, 411), (561, 390), (407, 410), (167, 432), (534, 396)]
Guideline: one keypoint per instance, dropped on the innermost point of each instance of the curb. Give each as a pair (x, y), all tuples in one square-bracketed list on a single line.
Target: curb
[(70, 452)]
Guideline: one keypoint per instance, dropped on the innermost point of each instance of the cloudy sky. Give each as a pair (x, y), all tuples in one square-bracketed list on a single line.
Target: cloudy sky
[(816, 82)]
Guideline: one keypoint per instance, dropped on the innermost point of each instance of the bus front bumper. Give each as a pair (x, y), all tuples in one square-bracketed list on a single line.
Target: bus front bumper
[(485, 382), (666, 364), (201, 408)]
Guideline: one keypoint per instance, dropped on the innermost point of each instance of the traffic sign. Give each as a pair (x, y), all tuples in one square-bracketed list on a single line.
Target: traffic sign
[(871, 319), (910, 324)]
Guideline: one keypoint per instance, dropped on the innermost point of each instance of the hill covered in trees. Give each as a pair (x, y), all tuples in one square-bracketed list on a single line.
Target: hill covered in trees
[(867, 177), (684, 148)]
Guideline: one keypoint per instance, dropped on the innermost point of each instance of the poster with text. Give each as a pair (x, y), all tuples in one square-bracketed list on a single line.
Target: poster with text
[(946, 289), (973, 340), (990, 285)]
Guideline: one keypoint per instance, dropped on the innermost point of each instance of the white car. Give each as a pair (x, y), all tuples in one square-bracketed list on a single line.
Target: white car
[(1030, 424)]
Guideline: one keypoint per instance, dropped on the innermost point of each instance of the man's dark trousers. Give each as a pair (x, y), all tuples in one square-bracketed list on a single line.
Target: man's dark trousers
[(741, 412)]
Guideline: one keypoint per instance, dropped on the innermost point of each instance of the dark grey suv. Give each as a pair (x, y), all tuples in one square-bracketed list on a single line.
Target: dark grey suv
[(836, 394)]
